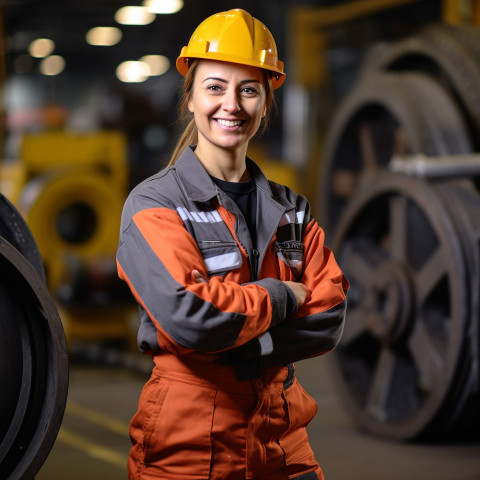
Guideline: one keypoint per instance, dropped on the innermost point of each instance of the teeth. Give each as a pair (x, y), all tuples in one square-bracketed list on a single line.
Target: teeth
[(229, 123)]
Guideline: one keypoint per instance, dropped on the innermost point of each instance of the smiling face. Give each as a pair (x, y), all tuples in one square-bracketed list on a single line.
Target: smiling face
[(228, 104)]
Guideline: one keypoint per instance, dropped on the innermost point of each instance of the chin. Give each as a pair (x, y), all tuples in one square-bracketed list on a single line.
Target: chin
[(231, 145)]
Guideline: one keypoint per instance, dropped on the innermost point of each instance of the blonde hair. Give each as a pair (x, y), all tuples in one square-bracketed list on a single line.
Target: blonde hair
[(189, 135)]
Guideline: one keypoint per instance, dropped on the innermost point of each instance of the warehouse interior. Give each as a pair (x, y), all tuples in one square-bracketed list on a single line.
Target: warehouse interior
[(377, 124)]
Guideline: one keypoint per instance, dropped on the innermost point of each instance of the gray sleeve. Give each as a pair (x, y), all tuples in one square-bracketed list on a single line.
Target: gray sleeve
[(294, 340), (280, 298)]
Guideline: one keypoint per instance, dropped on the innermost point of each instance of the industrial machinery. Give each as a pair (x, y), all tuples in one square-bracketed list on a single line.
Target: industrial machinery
[(400, 197), (33, 353), (70, 188)]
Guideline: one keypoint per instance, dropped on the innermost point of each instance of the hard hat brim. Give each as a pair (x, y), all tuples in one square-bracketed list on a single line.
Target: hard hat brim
[(278, 76)]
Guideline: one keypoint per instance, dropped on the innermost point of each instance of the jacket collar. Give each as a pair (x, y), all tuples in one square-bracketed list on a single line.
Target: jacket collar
[(200, 187), (196, 182)]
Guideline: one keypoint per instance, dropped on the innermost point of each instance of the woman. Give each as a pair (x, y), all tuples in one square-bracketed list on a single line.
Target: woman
[(232, 277)]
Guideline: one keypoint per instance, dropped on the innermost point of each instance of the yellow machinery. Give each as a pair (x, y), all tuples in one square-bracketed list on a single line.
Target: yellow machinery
[(70, 188)]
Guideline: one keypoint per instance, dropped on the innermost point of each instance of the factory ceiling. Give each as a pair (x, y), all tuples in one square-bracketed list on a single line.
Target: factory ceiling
[(67, 22)]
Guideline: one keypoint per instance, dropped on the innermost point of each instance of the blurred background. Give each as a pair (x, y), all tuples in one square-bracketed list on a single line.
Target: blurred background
[(378, 124)]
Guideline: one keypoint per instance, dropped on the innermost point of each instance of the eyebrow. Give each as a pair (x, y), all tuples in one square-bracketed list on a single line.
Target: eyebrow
[(218, 79)]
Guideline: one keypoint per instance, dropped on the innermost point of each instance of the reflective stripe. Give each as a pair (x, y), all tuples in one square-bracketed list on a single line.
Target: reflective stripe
[(287, 218), (266, 344), (221, 262), (211, 216), (300, 216)]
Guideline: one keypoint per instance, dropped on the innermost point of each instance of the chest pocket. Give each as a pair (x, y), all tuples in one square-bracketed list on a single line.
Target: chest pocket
[(291, 254), (220, 257)]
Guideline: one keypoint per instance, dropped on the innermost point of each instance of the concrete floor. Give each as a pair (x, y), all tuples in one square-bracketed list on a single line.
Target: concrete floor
[(93, 442)]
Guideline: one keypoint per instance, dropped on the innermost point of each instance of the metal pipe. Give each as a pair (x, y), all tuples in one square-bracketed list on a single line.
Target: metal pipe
[(436, 167)]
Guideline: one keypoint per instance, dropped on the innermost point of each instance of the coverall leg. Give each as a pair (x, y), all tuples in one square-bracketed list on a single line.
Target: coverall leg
[(198, 422)]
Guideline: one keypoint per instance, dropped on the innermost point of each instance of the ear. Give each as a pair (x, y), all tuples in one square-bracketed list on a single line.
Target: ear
[(264, 110), (190, 106)]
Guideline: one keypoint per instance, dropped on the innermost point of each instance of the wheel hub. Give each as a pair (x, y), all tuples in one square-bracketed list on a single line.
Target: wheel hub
[(389, 302)]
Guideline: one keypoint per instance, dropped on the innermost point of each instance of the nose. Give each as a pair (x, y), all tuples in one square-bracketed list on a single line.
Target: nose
[(230, 101)]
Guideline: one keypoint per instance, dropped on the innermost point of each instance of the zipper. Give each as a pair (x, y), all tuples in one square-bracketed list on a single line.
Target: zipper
[(254, 257), (254, 264)]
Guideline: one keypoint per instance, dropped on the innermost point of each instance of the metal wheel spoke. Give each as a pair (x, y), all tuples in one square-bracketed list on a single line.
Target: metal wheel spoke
[(356, 264), (428, 361), (344, 183), (401, 142), (381, 383), (354, 325), (398, 227), (367, 148), (430, 275)]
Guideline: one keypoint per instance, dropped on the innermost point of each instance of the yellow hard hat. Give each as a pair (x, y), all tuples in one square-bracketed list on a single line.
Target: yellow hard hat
[(234, 36)]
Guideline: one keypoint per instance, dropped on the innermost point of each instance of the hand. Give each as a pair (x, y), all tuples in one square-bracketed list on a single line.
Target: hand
[(301, 292), (198, 277)]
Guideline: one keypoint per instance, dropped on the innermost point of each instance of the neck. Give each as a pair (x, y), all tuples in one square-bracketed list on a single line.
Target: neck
[(222, 163)]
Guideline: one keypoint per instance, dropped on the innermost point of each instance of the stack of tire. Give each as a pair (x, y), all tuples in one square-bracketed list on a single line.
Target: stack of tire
[(407, 365), (33, 353)]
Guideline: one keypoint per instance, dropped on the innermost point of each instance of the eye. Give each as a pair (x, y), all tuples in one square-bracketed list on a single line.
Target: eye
[(250, 91), (214, 88)]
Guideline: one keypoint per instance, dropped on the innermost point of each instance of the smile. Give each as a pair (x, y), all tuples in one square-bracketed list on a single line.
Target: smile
[(229, 123)]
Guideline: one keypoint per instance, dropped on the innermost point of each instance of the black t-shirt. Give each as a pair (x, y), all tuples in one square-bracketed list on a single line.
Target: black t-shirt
[(244, 194)]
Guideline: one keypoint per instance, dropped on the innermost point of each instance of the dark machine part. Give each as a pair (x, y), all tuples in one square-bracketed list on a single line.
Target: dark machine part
[(33, 358), (450, 55), (461, 200), (386, 114), (14, 229), (407, 364), (400, 194), (92, 282)]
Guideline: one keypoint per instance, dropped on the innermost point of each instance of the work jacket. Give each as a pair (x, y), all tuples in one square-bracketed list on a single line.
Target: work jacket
[(178, 221)]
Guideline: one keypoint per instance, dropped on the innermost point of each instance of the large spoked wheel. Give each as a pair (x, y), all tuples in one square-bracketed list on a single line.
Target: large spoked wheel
[(384, 115), (447, 53), (406, 341)]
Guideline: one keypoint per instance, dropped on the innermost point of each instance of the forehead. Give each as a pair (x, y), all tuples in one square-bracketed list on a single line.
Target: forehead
[(228, 71)]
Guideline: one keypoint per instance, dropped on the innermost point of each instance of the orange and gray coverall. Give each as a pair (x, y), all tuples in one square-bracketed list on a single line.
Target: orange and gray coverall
[(223, 401)]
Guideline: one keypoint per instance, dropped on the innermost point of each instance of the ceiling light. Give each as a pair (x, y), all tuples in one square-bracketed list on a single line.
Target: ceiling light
[(163, 6), (41, 47), (103, 36), (134, 16), (131, 71), (52, 65), (158, 64)]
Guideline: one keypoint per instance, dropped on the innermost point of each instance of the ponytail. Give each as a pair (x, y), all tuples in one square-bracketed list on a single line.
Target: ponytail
[(189, 135)]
